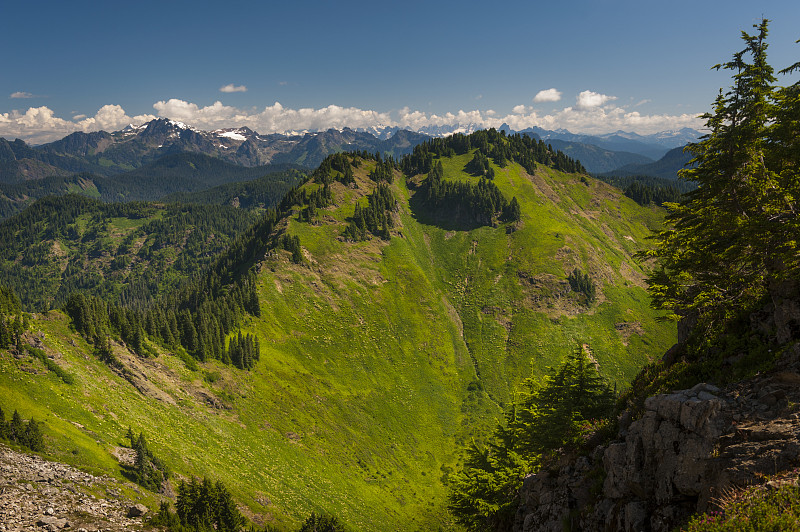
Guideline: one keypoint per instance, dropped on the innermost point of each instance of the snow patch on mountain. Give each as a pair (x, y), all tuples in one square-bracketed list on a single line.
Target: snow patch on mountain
[(232, 135)]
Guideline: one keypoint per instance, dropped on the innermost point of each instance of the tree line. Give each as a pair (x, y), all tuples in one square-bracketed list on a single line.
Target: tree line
[(197, 326), (521, 149), (101, 254), (11, 319), (208, 506)]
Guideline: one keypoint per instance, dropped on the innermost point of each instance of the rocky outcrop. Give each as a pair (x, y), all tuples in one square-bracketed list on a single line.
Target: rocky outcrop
[(680, 457), (36, 494)]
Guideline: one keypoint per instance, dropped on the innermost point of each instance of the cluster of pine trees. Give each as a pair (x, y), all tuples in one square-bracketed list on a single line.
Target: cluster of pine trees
[(189, 319), (291, 243), (317, 199), (521, 149), (337, 167), (479, 203), (344, 164), (375, 218), (148, 471), (646, 190), (736, 235), (201, 506), (546, 417), (384, 169), (321, 523), (244, 350), (644, 194), (16, 430), (581, 283), (479, 166)]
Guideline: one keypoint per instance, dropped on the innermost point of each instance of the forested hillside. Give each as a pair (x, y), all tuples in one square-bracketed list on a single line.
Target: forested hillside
[(178, 176), (121, 252)]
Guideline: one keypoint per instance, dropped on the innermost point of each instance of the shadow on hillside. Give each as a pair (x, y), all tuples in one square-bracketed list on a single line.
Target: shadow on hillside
[(447, 217)]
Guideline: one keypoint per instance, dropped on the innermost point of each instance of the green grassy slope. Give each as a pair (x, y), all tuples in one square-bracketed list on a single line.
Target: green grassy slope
[(379, 359)]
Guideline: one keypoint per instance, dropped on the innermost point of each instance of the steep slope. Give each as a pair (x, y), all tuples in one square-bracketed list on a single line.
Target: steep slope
[(688, 447), (379, 357), (667, 167)]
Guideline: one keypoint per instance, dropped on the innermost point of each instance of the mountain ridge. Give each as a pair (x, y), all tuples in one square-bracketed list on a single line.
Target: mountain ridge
[(397, 345), (106, 154)]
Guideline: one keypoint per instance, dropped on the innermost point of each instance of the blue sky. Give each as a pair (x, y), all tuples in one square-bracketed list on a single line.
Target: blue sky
[(635, 65)]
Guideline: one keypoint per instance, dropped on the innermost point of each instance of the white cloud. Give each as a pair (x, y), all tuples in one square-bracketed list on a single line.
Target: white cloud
[(642, 102), (589, 99), (21, 94), (40, 124), (230, 87), (110, 118), (547, 95)]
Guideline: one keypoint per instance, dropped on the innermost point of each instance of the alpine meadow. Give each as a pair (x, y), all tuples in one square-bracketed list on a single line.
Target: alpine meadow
[(235, 318)]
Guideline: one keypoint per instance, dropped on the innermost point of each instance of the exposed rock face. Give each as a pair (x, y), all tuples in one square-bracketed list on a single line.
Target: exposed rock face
[(39, 495), (137, 510), (687, 449)]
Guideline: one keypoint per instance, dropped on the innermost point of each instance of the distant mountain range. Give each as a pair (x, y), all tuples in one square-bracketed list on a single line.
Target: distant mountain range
[(102, 153), (597, 153), (105, 154), (667, 167)]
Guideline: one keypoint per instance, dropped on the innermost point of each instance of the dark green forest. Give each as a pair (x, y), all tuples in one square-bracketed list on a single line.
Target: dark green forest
[(126, 252)]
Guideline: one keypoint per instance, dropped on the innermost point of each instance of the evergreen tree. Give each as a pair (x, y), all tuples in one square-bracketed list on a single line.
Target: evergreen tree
[(205, 506), (512, 213), (581, 283), (227, 517), (321, 523), (32, 437), (734, 235), (546, 417), (16, 428)]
